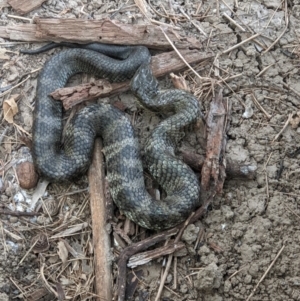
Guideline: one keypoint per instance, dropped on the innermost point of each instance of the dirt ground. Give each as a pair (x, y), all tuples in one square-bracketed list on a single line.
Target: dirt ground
[(230, 253)]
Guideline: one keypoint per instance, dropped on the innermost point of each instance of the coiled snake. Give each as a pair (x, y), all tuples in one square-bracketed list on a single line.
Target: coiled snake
[(124, 167)]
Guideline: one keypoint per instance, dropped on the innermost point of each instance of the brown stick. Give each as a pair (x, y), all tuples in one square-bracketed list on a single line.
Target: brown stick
[(103, 31), (108, 31), (25, 6), (162, 64), (215, 129), (233, 169), (101, 239)]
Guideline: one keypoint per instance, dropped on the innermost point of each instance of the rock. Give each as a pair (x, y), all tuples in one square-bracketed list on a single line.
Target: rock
[(27, 175), (209, 278), (190, 234)]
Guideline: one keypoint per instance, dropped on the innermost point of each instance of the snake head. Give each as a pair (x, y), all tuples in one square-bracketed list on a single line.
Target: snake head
[(144, 84)]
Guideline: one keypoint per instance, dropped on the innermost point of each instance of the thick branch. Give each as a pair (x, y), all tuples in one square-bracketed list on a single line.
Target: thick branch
[(103, 31), (215, 122), (233, 168), (101, 238)]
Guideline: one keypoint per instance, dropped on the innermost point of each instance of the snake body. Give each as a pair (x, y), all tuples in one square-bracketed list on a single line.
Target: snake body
[(121, 149)]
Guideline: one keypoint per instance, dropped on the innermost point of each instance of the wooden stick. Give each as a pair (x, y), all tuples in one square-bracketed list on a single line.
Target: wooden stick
[(233, 168), (103, 31), (215, 128), (25, 6), (241, 43), (145, 257), (101, 239)]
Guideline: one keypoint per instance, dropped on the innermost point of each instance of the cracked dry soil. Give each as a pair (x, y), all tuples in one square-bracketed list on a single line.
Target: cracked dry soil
[(247, 225)]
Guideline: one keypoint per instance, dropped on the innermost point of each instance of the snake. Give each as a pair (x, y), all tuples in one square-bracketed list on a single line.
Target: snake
[(57, 161)]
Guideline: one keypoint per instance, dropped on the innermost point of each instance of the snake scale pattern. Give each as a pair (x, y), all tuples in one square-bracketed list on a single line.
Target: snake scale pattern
[(121, 148)]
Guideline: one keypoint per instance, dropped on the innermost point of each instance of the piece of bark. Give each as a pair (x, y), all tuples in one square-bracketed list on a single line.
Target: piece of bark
[(215, 129), (101, 238), (145, 257), (25, 6), (110, 31), (20, 32), (222, 165), (162, 64), (103, 31), (233, 168)]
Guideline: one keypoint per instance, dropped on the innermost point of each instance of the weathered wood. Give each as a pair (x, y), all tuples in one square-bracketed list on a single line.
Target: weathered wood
[(109, 31), (25, 6), (162, 64), (103, 31), (215, 122), (233, 169), (101, 238), (20, 32)]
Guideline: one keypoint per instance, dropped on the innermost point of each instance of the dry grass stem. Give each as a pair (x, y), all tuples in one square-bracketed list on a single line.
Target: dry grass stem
[(260, 106), (198, 7), (238, 271), (26, 254), (283, 32), (183, 59), (284, 127), (20, 18), (241, 43), (265, 274), (209, 39), (235, 94), (15, 86), (274, 12), (233, 22), (49, 287), (264, 70), (290, 88), (192, 21), (292, 211)]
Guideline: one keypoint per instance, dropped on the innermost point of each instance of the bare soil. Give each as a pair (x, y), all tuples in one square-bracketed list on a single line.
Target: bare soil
[(229, 251)]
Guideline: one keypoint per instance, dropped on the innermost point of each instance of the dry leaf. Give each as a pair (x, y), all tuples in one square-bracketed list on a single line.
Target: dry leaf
[(71, 230), (179, 82), (65, 281), (3, 56), (62, 251), (10, 108), (295, 120), (38, 192)]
